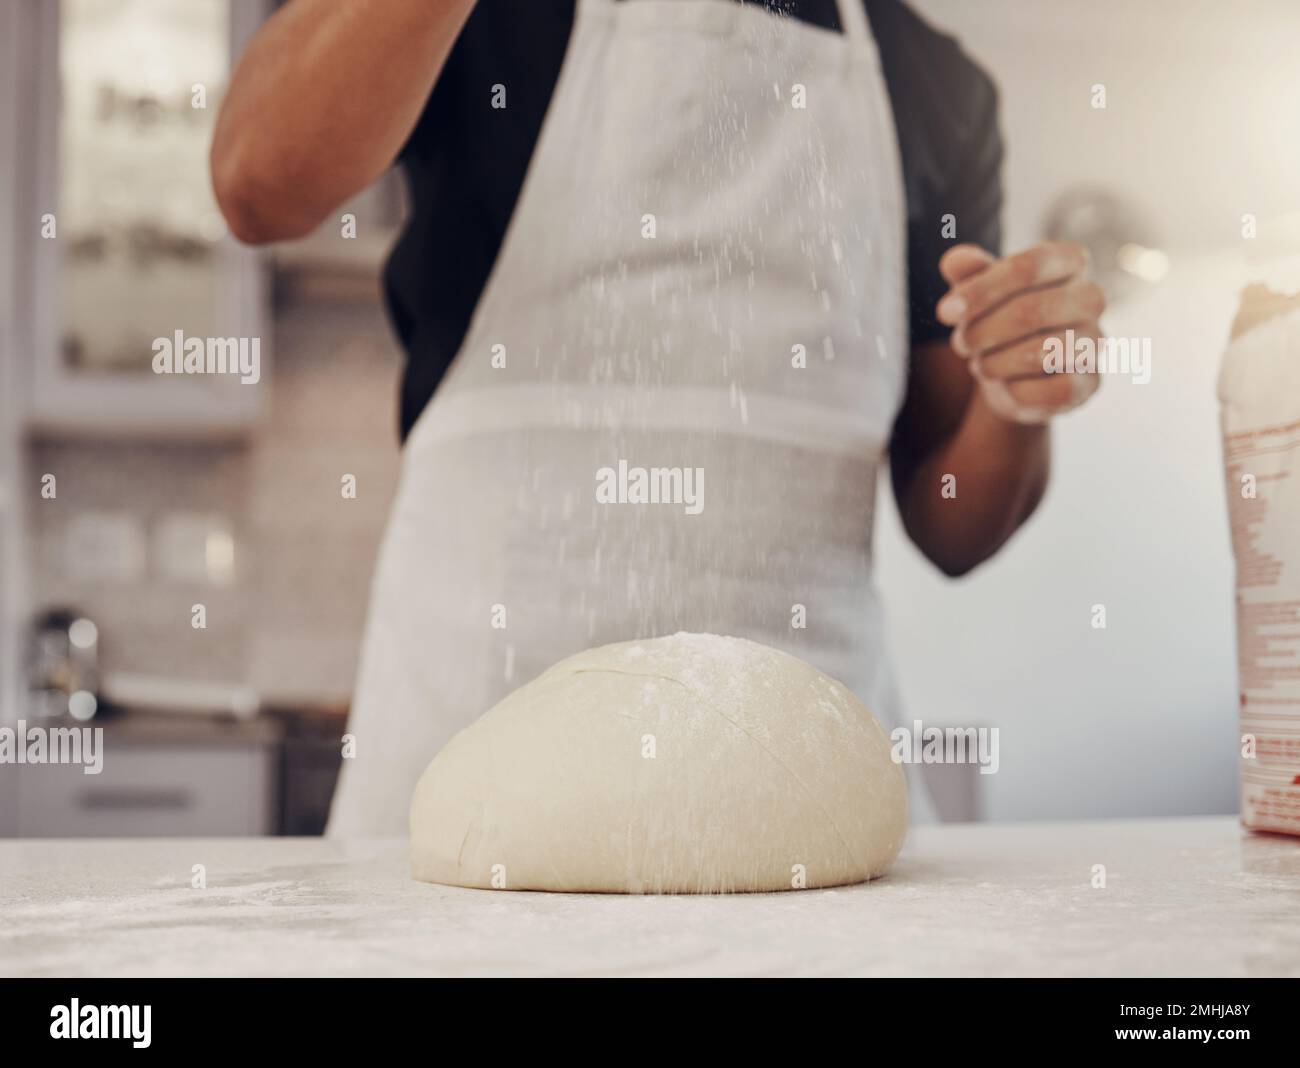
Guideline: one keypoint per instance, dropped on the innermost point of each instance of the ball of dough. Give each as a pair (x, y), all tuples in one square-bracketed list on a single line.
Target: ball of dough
[(687, 764)]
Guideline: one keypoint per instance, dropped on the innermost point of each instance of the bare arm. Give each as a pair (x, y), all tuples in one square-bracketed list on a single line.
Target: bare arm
[(1000, 467), (978, 405), (320, 105)]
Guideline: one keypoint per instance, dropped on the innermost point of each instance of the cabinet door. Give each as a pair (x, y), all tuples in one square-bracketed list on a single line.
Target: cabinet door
[(152, 791), (133, 267)]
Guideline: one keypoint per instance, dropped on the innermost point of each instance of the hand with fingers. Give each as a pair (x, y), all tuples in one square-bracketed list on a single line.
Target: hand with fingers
[(1006, 313)]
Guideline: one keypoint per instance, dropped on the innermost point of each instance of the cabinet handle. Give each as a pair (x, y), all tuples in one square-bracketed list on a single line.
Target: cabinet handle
[(134, 798)]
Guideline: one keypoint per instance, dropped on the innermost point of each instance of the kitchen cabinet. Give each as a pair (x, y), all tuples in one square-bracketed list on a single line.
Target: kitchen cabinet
[(160, 777), (121, 239), (183, 775), (152, 791)]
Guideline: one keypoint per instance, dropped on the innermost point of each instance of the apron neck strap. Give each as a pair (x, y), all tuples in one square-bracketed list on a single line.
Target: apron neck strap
[(852, 13), (853, 20)]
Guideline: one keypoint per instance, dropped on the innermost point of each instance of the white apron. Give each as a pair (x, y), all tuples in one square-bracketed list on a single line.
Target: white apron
[(705, 271)]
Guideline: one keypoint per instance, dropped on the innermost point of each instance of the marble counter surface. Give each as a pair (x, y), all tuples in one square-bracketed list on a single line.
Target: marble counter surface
[(1182, 897)]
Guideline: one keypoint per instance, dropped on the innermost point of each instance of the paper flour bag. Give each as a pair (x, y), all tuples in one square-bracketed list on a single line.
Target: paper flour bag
[(1259, 397)]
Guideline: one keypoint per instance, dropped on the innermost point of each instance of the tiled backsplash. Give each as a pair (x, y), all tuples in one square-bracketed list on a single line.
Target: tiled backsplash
[(288, 621)]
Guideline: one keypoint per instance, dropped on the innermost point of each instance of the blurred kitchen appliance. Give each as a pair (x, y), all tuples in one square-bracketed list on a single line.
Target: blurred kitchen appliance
[(1121, 252), (63, 665), (310, 759)]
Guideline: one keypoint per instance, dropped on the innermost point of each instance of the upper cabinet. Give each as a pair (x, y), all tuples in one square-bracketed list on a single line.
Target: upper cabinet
[(142, 315)]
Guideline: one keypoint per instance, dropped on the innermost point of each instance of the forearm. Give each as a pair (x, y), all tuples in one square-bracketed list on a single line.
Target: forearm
[(1000, 470), (322, 100)]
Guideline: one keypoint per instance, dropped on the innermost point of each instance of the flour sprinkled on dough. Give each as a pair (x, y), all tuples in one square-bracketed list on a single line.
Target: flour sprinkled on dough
[(693, 763)]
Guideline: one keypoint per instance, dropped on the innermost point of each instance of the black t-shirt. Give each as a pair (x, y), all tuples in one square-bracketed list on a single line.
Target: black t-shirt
[(465, 173)]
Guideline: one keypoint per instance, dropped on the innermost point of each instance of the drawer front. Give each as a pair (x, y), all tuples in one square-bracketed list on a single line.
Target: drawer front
[(151, 791)]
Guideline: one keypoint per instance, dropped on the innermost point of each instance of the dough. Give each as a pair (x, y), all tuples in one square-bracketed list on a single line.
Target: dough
[(687, 764)]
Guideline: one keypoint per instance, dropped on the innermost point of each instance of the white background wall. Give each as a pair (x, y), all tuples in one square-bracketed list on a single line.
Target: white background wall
[(1202, 125)]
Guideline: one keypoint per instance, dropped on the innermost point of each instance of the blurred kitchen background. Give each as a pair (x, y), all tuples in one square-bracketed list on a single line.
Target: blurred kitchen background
[(166, 496)]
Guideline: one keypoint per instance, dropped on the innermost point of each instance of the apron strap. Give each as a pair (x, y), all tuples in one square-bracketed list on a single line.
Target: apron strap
[(853, 20), (853, 17)]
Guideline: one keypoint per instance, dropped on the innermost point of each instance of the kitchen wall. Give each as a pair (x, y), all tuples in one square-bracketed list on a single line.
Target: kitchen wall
[(289, 620), (1201, 122), (1138, 718), (1200, 127)]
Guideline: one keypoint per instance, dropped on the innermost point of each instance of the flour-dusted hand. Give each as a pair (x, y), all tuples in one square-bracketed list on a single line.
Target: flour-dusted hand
[(1007, 311)]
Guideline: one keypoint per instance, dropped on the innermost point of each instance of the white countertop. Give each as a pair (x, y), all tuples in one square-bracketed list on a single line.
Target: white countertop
[(1183, 897)]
